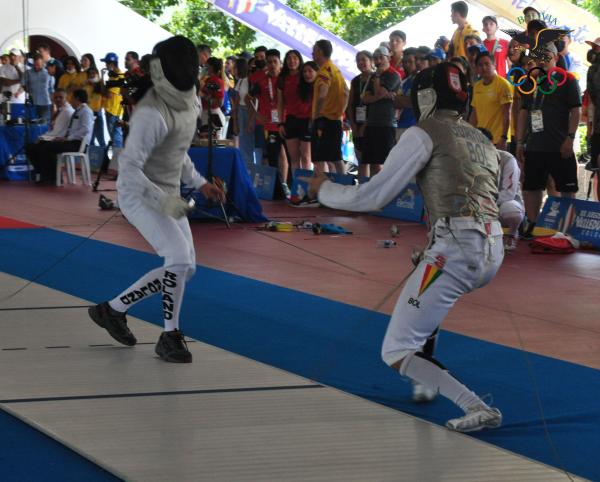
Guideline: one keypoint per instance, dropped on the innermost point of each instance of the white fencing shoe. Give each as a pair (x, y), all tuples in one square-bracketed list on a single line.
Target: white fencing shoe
[(477, 418), (421, 393)]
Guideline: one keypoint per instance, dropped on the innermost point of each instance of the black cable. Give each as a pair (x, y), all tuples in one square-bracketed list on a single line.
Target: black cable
[(287, 243)]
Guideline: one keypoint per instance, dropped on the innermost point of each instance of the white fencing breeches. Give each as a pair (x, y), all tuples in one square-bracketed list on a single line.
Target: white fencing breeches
[(511, 216), (463, 255), (172, 240)]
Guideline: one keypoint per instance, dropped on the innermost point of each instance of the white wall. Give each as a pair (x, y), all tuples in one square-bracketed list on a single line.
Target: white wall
[(96, 26), (425, 27)]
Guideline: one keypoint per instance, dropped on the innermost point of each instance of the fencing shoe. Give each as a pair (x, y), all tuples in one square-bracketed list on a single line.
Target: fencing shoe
[(105, 203), (112, 321), (421, 393), (171, 347), (477, 418)]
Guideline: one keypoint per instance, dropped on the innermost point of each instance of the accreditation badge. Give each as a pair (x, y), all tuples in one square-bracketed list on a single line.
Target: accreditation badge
[(275, 116), (537, 121), (361, 114)]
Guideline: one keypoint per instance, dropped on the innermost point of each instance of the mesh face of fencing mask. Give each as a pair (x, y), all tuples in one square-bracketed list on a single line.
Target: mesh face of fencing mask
[(441, 87), (179, 61)]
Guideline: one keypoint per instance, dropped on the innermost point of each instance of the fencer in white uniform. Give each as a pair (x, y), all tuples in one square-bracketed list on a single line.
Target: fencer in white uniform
[(510, 199), (457, 171), (151, 168)]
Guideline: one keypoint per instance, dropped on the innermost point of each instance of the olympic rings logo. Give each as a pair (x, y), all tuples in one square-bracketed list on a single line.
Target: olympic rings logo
[(547, 78)]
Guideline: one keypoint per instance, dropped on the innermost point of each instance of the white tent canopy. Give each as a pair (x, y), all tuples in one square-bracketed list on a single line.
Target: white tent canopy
[(425, 27), (80, 26)]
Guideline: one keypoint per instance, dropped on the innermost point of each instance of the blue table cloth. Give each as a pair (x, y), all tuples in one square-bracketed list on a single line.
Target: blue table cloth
[(12, 139), (229, 166)]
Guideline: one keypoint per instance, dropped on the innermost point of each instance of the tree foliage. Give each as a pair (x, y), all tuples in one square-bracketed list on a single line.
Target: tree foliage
[(151, 9), (352, 20), (203, 23), (592, 6), (357, 20)]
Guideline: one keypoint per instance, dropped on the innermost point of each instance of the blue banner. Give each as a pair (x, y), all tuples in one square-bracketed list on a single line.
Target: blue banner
[(280, 22), (406, 206), (578, 218), (263, 181), (300, 188)]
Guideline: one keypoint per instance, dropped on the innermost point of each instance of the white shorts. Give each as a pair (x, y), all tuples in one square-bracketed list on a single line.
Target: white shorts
[(511, 209), (171, 238), (461, 257)]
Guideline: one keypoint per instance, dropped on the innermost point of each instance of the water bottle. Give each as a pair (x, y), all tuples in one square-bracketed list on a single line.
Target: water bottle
[(385, 243)]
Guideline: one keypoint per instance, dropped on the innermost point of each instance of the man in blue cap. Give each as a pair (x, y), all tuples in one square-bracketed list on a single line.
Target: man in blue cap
[(436, 56), (112, 100)]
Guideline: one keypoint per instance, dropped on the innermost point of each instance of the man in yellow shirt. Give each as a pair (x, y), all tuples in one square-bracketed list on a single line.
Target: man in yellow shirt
[(330, 97), (492, 99), (459, 11), (112, 103), (72, 79)]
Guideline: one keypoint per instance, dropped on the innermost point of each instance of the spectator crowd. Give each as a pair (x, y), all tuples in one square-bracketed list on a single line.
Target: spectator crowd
[(289, 112)]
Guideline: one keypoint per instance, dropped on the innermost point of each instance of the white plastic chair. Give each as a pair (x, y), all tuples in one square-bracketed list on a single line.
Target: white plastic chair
[(68, 159)]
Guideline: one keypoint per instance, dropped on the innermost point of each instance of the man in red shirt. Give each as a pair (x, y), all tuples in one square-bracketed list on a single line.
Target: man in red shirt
[(397, 43), (495, 46), (264, 90)]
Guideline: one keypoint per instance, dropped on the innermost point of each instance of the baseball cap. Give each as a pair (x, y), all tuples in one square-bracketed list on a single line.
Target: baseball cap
[(15, 52), (51, 63), (110, 57), (381, 51), (481, 55), (489, 18), (550, 47), (438, 53), (477, 48)]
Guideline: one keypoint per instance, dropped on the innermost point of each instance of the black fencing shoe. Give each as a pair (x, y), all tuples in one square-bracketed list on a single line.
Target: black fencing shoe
[(171, 347), (113, 322)]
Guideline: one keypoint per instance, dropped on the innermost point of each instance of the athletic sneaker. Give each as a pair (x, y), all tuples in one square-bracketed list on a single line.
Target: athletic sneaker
[(421, 393), (510, 243), (171, 347), (112, 321), (528, 231), (477, 418), (286, 190), (305, 203)]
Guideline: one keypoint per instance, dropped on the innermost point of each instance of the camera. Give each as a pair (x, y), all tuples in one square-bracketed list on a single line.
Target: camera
[(116, 80), (134, 84), (212, 87)]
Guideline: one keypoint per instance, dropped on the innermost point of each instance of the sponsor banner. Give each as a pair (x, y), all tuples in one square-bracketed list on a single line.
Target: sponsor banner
[(300, 188), (263, 181), (578, 218), (287, 26), (406, 206)]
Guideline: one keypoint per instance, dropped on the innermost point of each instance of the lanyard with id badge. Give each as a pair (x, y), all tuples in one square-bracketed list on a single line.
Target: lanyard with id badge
[(537, 118), (360, 114), (274, 111)]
